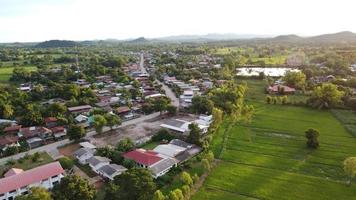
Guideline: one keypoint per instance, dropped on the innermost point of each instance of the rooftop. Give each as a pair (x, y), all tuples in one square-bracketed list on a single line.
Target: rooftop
[(30, 176), (143, 156)]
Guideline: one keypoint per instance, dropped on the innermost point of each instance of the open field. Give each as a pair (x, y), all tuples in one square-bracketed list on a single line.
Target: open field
[(268, 158), (6, 72), (26, 164)]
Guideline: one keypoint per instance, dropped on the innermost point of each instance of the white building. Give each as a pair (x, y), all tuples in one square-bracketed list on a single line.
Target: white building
[(18, 182)]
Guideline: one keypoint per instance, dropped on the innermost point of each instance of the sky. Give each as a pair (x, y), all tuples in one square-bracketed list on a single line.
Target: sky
[(40, 20)]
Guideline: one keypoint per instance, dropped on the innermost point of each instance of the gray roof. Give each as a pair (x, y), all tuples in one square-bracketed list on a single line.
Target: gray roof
[(80, 152), (162, 165), (180, 143), (95, 160), (174, 122), (112, 169)]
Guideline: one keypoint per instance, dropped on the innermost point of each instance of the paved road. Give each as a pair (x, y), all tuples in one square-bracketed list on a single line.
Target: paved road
[(170, 94), (52, 148)]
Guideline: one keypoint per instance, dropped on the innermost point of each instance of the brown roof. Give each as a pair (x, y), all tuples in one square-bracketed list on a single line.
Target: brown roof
[(122, 109), (12, 128), (29, 132), (8, 139), (57, 129)]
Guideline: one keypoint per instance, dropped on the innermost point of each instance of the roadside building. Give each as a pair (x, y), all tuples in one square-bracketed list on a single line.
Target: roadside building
[(80, 109), (18, 182)]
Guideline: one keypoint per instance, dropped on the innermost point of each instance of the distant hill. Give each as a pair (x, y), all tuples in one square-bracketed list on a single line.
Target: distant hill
[(341, 37), (56, 43), (210, 37), (138, 40)]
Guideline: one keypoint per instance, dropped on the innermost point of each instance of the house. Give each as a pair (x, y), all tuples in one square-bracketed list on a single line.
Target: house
[(50, 122), (143, 158), (18, 182), (7, 121), (111, 170), (87, 145), (96, 162), (153, 161), (80, 109), (82, 120), (59, 132), (83, 154), (122, 110), (8, 140), (162, 167), (169, 150), (182, 126), (35, 135), (280, 89), (12, 129)]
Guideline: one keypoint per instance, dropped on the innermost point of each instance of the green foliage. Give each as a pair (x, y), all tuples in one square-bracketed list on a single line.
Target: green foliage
[(312, 138), (158, 195), (66, 162), (125, 145), (37, 193), (73, 187), (171, 109), (295, 79), (99, 123), (76, 132), (206, 164), (325, 96), (162, 134), (350, 167), (195, 133), (133, 184), (112, 120), (201, 105), (186, 178)]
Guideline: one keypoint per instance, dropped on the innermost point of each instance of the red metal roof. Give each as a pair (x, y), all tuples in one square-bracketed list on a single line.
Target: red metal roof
[(143, 157), (13, 171), (30, 176)]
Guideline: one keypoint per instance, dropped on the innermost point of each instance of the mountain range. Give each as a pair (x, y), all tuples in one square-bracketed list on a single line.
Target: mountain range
[(337, 38)]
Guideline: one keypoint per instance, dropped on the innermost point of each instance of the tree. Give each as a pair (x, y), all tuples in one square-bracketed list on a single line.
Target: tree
[(37, 193), (75, 132), (195, 178), (209, 156), (73, 187), (66, 162), (201, 105), (160, 104), (186, 178), (112, 120), (56, 109), (7, 111), (125, 145), (217, 117), (133, 184), (295, 79), (158, 195), (312, 138), (172, 110), (32, 115), (179, 194), (186, 191), (99, 123), (350, 167), (162, 134), (268, 99), (206, 164), (325, 96), (194, 134)]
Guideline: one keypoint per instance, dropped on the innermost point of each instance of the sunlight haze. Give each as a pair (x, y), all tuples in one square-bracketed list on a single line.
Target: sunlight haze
[(38, 20)]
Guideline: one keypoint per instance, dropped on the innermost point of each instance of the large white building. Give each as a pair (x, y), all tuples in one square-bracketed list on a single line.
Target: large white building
[(18, 182)]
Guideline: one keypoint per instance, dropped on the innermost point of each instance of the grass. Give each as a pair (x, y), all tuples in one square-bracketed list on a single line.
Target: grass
[(6, 72), (347, 118), (27, 164), (268, 158), (150, 145)]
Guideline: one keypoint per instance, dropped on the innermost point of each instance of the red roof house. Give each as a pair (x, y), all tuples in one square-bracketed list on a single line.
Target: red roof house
[(16, 180), (12, 129), (143, 157)]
